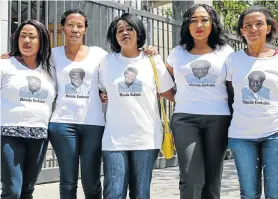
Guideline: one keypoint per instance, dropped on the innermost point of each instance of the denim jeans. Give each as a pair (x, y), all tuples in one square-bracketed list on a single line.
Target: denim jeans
[(71, 142), (201, 142), (21, 162), (128, 168), (252, 156)]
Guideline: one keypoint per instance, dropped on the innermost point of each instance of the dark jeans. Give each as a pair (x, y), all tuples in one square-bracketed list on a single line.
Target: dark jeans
[(201, 142), (128, 168), (21, 162), (71, 142), (252, 156)]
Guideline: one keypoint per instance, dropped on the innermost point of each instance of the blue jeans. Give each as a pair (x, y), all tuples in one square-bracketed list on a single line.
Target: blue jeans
[(252, 156), (21, 162), (128, 168), (71, 142)]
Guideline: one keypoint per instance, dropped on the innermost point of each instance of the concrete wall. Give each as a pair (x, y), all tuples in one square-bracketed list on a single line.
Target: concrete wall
[(4, 10)]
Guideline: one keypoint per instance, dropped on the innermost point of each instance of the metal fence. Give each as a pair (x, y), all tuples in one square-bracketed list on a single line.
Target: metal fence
[(163, 32)]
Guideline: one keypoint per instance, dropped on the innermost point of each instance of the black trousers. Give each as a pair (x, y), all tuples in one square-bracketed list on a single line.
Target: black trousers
[(201, 142)]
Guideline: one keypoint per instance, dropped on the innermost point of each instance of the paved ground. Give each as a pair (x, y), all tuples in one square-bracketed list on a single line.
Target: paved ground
[(164, 185)]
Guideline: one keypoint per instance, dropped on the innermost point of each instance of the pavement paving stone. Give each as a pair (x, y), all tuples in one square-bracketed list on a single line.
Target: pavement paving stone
[(164, 185)]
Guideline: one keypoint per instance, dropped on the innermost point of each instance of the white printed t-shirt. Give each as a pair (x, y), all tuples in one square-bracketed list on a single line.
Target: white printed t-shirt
[(26, 95), (200, 86), (78, 100), (132, 118), (255, 83)]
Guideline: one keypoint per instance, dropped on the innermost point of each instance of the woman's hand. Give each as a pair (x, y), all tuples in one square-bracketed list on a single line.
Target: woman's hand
[(150, 50), (103, 97), (5, 56)]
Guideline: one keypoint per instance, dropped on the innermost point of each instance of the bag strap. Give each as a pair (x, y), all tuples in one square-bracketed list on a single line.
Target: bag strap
[(163, 112)]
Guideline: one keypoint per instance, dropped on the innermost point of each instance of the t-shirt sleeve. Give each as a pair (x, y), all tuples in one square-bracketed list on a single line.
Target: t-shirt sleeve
[(228, 50), (101, 54), (172, 57), (2, 72), (52, 61), (53, 71), (54, 77), (164, 78), (99, 51), (227, 69), (5, 65), (101, 72), (52, 67)]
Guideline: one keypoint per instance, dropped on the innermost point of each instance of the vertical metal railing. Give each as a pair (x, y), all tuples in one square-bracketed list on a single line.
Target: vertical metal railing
[(55, 23), (19, 12), (38, 10), (29, 10), (46, 14), (9, 24)]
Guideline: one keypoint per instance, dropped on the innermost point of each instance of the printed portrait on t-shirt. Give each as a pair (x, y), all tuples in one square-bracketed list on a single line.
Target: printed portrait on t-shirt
[(77, 85), (34, 89), (200, 73), (130, 83), (256, 90)]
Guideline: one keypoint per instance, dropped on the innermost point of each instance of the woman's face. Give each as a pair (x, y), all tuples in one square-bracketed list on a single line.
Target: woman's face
[(126, 35), (255, 28), (74, 28), (200, 26), (29, 41)]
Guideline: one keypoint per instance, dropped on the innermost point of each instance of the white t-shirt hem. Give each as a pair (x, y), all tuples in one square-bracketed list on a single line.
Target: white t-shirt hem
[(203, 113), (77, 122), (203, 96), (129, 148), (252, 136), (133, 121), (69, 107), (203, 109)]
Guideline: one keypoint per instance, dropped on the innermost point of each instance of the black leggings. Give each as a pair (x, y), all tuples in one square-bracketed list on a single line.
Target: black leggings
[(201, 142)]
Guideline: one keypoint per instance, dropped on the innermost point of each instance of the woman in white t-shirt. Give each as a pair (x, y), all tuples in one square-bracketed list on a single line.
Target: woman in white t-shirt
[(133, 132), (202, 116), (252, 77), (77, 123), (27, 93)]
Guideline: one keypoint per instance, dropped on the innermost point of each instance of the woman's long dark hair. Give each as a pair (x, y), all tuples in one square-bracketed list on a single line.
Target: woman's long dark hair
[(44, 53), (217, 36)]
